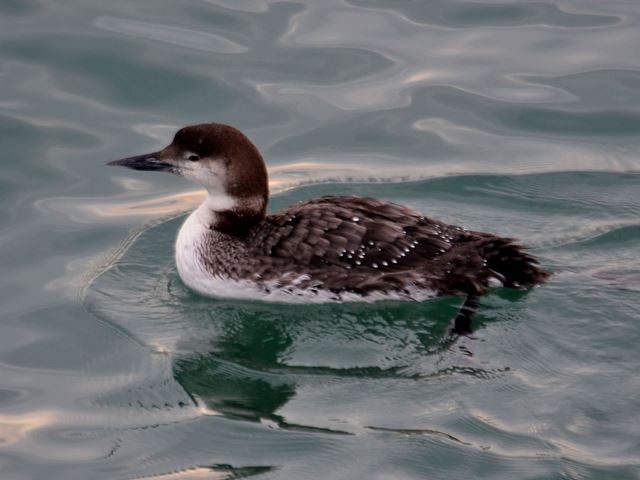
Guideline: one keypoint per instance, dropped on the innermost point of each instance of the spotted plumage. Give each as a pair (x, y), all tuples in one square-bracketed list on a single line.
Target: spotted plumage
[(365, 246), (334, 248)]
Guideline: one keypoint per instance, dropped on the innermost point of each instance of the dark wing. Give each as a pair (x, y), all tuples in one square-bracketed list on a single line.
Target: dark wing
[(364, 245), (355, 243)]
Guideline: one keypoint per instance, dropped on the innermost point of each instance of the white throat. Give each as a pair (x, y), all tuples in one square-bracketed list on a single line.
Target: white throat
[(196, 236), (193, 237), (215, 202)]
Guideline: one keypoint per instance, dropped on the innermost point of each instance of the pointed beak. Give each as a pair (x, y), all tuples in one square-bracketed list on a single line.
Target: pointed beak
[(149, 161)]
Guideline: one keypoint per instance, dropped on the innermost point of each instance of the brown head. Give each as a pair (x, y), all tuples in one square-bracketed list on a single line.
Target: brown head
[(218, 157)]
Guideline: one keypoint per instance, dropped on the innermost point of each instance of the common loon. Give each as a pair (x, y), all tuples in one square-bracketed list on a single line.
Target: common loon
[(332, 248)]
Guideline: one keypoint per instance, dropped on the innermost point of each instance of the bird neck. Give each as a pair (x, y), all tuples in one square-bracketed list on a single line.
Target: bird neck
[(231, 215)]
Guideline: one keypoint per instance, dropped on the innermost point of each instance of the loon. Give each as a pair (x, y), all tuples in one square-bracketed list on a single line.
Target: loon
[(331, 248)]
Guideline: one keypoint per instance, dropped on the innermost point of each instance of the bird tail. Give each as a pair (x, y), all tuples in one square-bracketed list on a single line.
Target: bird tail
[(485, 262), (509, 263)]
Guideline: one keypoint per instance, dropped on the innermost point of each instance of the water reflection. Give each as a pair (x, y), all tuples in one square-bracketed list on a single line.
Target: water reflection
[(337, 90), (254, 355), (475, 14), (166, 33), (217, 472), (247, 360), (14, 428), (384, 371)]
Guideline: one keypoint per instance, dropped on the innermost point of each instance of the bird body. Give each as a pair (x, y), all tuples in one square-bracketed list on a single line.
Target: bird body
[(332, 248)]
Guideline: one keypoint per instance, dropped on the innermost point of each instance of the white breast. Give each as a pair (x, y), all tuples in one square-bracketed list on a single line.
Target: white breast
[(189, 244)]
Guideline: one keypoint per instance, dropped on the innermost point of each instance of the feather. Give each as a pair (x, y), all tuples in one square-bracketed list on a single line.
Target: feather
[(366, 245)]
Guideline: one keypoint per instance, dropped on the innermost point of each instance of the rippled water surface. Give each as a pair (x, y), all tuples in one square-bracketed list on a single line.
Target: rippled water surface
[(517, 117)]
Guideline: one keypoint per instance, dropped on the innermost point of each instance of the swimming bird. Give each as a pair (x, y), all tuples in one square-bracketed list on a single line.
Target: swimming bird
[(331, 248)]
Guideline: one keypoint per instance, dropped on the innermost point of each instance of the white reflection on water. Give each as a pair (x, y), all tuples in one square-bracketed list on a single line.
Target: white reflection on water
[(187, 38), (194, 473), (139, 199), (15, 428)]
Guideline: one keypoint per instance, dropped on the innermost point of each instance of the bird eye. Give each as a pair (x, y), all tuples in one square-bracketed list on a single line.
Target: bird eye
[(194, 158)]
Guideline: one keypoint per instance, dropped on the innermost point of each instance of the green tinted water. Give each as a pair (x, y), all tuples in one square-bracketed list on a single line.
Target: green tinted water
[(519, 118)]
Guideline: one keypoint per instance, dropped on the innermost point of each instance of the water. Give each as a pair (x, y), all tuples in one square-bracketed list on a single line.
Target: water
[(521, 118)]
